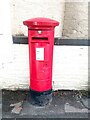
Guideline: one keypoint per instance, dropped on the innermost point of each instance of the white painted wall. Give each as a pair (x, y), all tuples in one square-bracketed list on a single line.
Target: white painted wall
[(70, 68), (26, 9), (5, 33), (75, 18)]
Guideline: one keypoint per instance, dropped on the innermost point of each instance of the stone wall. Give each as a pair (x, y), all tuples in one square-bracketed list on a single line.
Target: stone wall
[(74, 14), (25, 9), (76, 20)]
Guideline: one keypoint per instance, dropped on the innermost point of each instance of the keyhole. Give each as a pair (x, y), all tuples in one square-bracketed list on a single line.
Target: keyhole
[(46, 64)]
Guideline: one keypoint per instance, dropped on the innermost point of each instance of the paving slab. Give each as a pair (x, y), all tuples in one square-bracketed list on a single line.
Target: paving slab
[(62, 106), (65, 104)]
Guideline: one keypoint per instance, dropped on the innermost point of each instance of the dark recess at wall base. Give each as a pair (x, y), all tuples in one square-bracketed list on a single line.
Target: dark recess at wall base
[(57, 41)]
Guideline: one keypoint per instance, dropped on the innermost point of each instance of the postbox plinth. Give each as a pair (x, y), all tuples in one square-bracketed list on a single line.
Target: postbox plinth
[(41, 41)]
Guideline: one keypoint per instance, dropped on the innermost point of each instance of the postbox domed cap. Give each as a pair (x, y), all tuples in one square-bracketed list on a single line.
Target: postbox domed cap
[(41, 22)]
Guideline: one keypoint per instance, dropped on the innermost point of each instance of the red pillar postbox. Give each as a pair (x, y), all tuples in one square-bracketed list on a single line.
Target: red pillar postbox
[(41, 41)]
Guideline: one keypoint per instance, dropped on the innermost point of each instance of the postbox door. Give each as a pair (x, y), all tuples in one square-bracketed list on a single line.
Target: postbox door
[(41, 55)]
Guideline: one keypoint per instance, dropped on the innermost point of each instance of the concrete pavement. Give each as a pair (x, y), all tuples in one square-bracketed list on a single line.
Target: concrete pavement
[(65, 104)]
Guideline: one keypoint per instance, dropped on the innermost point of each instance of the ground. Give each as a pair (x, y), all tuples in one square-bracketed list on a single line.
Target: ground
[(65, 104)]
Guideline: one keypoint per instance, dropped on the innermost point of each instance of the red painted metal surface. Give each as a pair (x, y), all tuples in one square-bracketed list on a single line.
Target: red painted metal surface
[(41, 41), (40, 23)]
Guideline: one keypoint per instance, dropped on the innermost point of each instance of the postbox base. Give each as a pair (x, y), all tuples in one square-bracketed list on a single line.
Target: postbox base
[(40, 98)]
